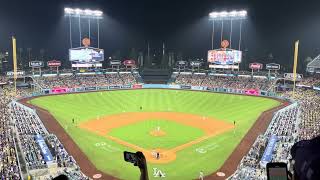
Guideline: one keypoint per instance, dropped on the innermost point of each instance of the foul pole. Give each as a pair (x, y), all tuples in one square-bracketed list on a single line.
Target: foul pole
[(295, 64), (14, 56)]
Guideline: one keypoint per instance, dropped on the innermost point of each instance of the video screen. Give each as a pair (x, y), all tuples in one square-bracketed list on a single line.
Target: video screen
[(277, 173), (86, 54), (224, 57)]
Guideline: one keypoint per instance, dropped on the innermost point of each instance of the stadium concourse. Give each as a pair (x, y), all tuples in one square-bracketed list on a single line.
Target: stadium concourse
[(23, 135)]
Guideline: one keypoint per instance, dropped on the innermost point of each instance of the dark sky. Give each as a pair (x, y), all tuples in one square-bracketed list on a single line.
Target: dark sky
[(272, 26)]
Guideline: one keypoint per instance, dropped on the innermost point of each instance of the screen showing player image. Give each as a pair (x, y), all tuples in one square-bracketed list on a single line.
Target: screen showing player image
[(277, 173), (224, 57), (86, 54)]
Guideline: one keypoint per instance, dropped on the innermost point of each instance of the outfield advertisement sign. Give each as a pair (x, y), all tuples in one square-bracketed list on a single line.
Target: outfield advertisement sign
[(90, 88), (114, 87), (103, 88), (267, 155), (171, 86), (137, 86), (185, 87), (59, 90), (199, 88), (161, 86), (126, 87), (253, 92), (44, 148)]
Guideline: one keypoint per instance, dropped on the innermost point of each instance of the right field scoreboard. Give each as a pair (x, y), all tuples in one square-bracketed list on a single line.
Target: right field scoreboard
[(224, 56)]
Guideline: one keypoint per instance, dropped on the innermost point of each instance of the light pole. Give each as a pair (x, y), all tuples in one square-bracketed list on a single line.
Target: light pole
[(83, 14), (227, 16)]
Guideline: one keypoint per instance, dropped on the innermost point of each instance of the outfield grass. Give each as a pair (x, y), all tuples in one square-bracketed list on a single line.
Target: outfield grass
[(107, 155)]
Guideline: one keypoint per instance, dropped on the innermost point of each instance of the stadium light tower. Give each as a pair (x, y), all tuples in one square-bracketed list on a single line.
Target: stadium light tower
[(83, 14), (227, 16)]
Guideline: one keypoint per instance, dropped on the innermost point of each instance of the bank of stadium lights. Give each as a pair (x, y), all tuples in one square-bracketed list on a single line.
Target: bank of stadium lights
[(225, 15), (83, 12)]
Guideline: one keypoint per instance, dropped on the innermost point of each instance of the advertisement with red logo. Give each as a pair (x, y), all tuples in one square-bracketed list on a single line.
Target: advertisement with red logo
[(255, 66), (54, 63), (59, 90), (129, 62), (253, 92), (137, 86)]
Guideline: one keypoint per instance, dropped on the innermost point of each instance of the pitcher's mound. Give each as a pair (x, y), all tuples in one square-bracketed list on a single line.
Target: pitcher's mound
[(157, 133)]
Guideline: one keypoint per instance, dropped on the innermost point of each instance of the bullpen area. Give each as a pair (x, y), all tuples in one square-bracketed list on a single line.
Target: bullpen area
[(191, 131)]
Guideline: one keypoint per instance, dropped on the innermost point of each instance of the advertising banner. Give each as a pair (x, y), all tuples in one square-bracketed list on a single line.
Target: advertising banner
[(182, 63), (156, 86), (103, 88), (197, 88), (185, 87), (195, 63), (267, 155), (36, 64), (59, 90), (255, 66), (290, 76), (273, 66), (126, 87), (19, 73), (54, 63), (253, 92), (174, 86), (115, 63), (224, 56), (43, 148), (87, 65), (114, 87), (137, 86), (90, 88), (217, 66), (129, 62)]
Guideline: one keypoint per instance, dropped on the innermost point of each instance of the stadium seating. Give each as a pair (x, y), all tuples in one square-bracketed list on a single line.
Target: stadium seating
[(115, 79), (242, 83)]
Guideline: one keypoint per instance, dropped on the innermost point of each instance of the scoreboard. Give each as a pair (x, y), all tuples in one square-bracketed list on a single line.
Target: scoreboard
[(224, 56)]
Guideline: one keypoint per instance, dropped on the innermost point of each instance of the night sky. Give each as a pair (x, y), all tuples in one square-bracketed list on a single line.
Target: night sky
[(272, 26)]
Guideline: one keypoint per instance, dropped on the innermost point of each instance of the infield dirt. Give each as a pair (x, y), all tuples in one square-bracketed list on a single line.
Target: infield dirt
[(210, 126)]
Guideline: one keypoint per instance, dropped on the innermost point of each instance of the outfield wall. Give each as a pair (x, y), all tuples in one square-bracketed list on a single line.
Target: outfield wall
[(252, 92)]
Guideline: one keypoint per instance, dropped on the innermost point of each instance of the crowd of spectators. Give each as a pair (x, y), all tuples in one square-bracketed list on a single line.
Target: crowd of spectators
[(284, 125), (28, 126), (234, 82), (74, 81), (9, 166), (18, 127), (3, 79), (310, 81), (309, 126)]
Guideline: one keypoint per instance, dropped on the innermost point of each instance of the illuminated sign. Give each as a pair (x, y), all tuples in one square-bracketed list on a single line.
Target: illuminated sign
[(223, 57)]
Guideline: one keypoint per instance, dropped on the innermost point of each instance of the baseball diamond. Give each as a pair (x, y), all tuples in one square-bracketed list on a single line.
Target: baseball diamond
[(108, 123)]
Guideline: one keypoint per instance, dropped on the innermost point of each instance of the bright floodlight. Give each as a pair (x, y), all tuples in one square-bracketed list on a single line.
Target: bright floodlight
[(84, 13), (231, 15)]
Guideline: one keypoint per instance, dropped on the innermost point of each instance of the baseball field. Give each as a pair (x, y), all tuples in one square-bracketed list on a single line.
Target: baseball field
[(192, 131)]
